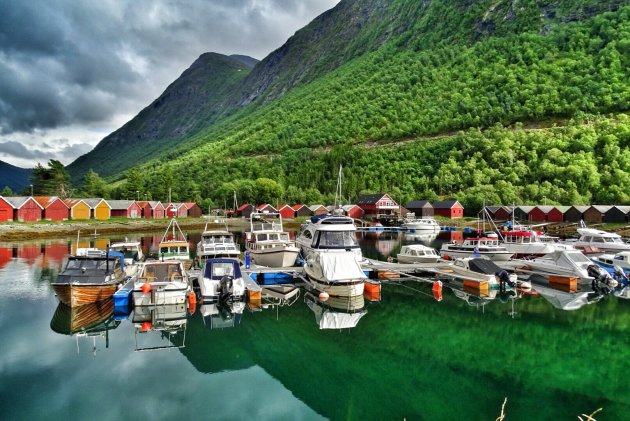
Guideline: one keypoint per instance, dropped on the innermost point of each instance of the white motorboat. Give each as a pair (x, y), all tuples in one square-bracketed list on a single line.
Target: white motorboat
[(161, 282), (526, 243), (331, 234), (425, 225), (338, 274), (570, 263), (417, 253), (476, 247), (483, 270), (174, 244), (222, 280), (601, 240), (217, 243), (132, 252), (609, 261), (336, 312), (421, 237), (267, 243)]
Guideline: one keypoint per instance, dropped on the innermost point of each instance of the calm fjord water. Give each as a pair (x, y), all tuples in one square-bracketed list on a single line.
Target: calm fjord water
[(409, 356)]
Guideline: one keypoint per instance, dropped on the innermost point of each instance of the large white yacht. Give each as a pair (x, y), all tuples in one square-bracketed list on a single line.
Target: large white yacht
[(267, 243), (332, 255)]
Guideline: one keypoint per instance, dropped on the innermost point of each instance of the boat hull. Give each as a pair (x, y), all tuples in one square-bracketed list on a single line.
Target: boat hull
[(349, 288), (160, 295), (75, 294), (280, 258), (497, 256), (417, 259)]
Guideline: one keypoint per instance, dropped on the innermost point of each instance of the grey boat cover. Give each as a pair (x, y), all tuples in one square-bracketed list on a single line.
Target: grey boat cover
[(483, 266)]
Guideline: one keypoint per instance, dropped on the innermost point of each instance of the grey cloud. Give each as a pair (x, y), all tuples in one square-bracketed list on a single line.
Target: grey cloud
[(12, 148), (74, 63)]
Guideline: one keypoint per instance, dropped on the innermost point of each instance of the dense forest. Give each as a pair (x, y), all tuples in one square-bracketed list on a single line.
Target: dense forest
[(513, 117)]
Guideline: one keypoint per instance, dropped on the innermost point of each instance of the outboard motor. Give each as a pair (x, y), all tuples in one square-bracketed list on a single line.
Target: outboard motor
[(225, 288), (621, 277), (504, 278), (602, 281)]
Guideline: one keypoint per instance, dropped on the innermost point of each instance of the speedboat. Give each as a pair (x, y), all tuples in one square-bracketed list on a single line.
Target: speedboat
[(483, 270), (602, 240), (425, 225), (267, 243), (222, 280), (90, 275), (336, 313), (161, 282), (174, 244), (132, 252), (417, 253), (216, 244), (476, 247)]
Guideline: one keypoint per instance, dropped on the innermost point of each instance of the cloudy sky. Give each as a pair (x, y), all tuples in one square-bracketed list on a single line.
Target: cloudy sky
[(71, 72)]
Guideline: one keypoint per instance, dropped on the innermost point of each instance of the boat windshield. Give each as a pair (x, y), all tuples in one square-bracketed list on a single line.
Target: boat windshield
[(90, 265), (337, 239), (218, 239), (578, 257)]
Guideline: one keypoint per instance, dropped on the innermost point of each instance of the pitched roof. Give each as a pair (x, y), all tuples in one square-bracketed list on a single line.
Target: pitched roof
[(120, 204), (623, 209), (544, 208), (525, 209), (418, 204), (602, 208), (94, 202), (580, 209), (368, 199), (563, 209), (315, 207), (285, 206), (45, 201), (18, 201), (297, 207), (73, 202), (446, 204), (263, 206), (244, 206), (190, 205)]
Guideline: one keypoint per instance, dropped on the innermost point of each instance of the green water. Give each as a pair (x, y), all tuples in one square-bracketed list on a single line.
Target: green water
[(409, 356)]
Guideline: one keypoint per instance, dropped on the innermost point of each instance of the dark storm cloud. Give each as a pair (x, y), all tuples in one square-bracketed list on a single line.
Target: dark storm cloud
[(12, 148), (64, 62)]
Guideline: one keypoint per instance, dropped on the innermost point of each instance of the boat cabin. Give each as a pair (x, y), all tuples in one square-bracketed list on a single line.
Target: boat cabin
[(168, 271), (217, 269)]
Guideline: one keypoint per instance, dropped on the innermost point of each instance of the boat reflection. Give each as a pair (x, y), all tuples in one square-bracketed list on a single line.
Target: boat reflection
[(159, 326), (93, 320), (568, 296), (221, 315), (422, 238), (336, 312)]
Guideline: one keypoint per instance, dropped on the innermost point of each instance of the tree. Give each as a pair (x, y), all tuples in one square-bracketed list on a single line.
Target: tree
[(54, 180), (94, 185), (6, 191)]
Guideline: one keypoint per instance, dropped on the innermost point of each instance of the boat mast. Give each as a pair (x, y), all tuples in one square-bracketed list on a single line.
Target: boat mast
[(338, 190)]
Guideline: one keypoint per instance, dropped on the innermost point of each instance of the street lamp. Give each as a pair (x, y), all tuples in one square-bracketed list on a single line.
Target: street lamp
[(545, 200), (31, 190), (137, 195)]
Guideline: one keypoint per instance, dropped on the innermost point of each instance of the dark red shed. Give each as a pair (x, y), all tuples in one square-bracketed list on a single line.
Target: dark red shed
[(449, 209), (6, 210), (286, 211), (25, 209)]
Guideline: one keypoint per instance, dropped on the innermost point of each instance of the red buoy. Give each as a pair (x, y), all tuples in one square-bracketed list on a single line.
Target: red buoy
[(146, 288), (437, 290), (146, 326), (192, 302)]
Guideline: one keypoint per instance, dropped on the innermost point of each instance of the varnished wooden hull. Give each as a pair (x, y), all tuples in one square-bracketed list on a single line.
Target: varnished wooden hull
[(70, 320), (75, 295)]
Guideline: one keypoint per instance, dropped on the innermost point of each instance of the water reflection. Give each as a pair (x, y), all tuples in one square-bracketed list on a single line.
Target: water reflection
[(336, 312), (222, 314), (160, 327)]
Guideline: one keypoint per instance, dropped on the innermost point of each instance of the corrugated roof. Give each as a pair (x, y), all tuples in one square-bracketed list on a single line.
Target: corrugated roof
[(418, 204), (120, 204), (18, 201), (369, 199), (545, 208), (45, 201), (315, 207), (94, 202), (297, 207), (580, 208), (602, 208), (563, 209), (623, 209)]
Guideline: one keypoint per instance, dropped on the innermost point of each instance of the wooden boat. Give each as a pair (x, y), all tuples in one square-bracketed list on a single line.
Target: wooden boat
[(88, 278), (90, 318)]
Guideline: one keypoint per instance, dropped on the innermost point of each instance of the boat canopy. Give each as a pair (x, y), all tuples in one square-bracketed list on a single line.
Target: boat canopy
[(340, 266), (483, 266), (218, 268)]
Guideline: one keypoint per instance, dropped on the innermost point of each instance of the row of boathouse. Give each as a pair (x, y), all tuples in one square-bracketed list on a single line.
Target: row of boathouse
[(375, 206)]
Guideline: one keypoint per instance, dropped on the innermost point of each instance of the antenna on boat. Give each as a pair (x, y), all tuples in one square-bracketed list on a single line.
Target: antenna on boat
[(339, 184)]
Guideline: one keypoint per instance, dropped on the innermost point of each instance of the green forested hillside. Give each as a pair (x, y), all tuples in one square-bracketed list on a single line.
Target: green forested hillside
[(462, 102)]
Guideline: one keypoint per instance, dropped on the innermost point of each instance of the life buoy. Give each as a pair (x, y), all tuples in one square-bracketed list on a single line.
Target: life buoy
[(437, 290), (192, 302)]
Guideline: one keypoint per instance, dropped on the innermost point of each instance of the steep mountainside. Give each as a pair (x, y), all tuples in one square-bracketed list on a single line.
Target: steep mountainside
[(17, 179), (184, 107), (412, 74)]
